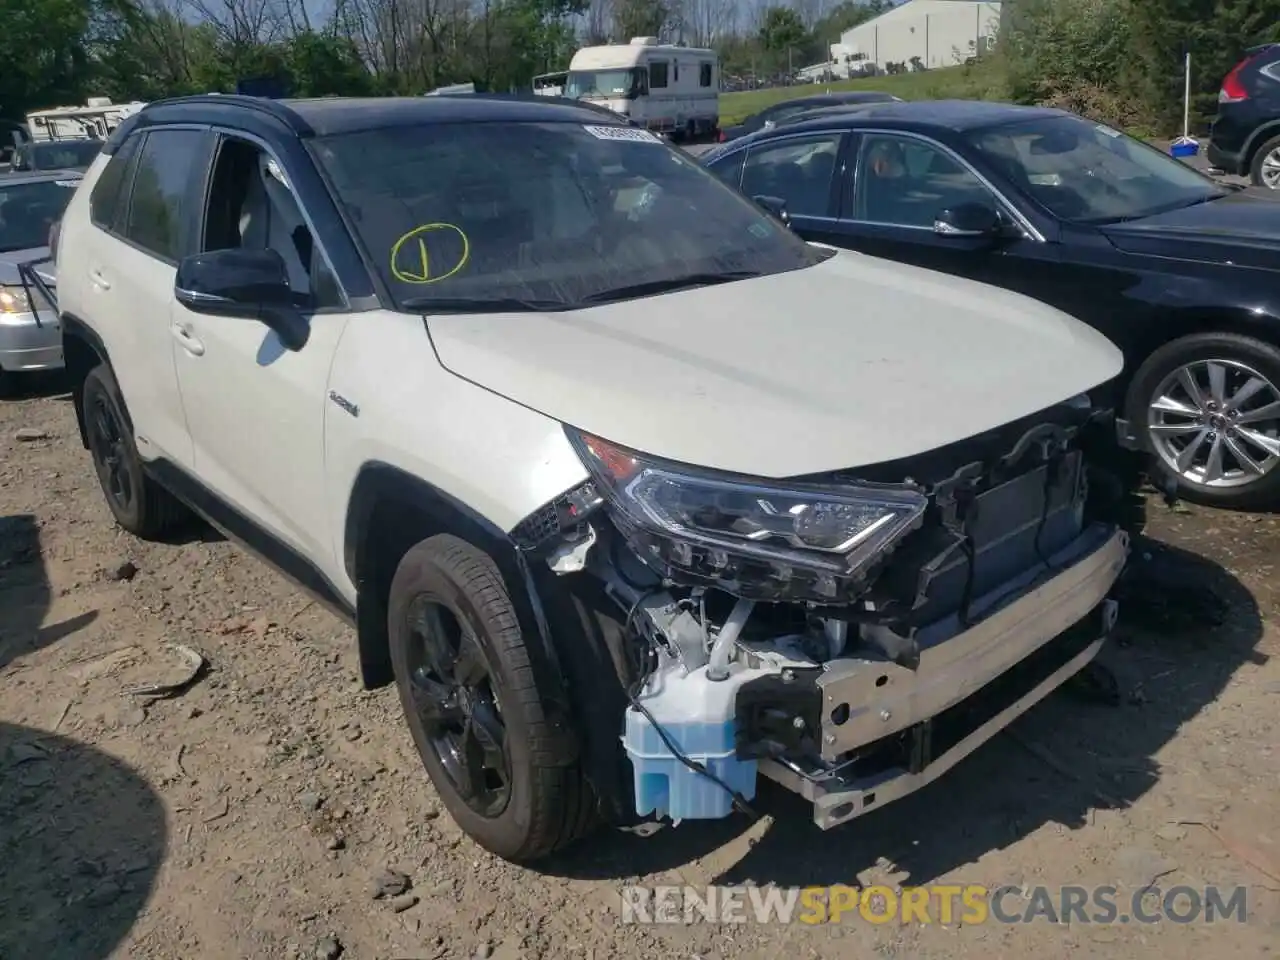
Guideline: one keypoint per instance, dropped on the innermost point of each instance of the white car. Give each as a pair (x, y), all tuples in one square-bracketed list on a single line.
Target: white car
[(634, 495)]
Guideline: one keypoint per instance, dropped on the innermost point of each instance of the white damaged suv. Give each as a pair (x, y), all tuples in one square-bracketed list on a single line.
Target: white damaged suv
[(635, 496)]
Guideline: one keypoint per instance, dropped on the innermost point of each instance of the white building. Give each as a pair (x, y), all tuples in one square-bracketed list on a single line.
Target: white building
[(942, 33)]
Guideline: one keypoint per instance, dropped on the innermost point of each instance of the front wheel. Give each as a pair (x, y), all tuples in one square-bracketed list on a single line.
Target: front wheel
[(473, 707), (1208, 406)]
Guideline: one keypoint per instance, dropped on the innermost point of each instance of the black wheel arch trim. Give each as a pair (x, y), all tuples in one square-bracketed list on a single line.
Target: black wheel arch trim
[(378, 483), (1261, 134), (75, 329)]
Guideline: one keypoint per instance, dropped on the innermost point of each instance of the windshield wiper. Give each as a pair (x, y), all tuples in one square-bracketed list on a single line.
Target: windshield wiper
[(487, 305), (651, 287)]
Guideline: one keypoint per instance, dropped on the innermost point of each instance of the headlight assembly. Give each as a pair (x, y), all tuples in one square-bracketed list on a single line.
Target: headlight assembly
[(760, 538)]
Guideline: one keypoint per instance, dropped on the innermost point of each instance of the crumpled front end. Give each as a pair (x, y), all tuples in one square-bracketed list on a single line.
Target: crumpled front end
[(851, 637)]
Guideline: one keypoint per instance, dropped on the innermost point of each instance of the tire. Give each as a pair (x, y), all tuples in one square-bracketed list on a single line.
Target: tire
[(543, 805), (143, 508), (1256, 165), (1216, 430)]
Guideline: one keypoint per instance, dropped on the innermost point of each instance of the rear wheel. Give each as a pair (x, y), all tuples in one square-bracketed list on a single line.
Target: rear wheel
[(139, 504), (1209, 407), (1265, 169), (473, 706)]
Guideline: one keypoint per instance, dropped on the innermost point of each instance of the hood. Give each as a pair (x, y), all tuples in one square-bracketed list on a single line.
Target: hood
[(9, 260), (1243, 227), (848, 363)]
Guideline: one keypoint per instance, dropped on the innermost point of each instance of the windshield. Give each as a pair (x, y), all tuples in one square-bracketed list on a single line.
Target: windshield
[(549, 81), (59, 155), (623, 82), (557, 214), (1089, 173), (29, 210)]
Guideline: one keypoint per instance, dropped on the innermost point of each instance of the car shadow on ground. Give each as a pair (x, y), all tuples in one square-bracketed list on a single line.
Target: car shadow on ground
[(82, 839), (82, 836), (36, 386), (25, 593), (1186, 625)]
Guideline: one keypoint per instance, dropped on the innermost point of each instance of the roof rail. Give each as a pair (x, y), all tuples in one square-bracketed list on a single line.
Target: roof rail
[(274, 108)]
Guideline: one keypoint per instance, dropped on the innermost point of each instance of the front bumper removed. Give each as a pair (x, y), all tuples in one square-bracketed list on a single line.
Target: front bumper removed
[(966, 687)]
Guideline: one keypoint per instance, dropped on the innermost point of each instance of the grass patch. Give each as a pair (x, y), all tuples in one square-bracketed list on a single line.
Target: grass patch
[(984, 80)]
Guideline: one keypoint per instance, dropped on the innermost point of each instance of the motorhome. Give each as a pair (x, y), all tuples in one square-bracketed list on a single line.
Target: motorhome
[(550, 84), (666, 88), (94, 121)]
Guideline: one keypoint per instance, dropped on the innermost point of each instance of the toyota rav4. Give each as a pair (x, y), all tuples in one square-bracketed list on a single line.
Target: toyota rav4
[(635, 496)]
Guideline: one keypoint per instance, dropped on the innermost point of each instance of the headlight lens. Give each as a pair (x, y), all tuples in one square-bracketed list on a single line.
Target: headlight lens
[(777, 537), (14, 300)]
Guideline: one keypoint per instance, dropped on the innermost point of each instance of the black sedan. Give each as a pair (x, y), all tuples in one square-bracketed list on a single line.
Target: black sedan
[(772, 115), (1181, 272)]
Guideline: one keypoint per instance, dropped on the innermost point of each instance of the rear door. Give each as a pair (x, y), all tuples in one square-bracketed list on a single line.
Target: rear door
[(131, 261)]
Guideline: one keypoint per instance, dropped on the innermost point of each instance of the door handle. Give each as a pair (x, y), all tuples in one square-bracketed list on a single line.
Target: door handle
[(190, 343), (98, 280)]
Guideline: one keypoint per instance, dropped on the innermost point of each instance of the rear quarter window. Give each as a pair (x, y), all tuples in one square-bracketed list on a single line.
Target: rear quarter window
[(105, 199)]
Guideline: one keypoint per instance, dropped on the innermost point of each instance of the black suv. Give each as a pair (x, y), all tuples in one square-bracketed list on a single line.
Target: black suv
[(1245, 137)]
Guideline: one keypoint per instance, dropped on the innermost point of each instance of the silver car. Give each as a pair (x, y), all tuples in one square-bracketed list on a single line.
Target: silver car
[(30, 205)]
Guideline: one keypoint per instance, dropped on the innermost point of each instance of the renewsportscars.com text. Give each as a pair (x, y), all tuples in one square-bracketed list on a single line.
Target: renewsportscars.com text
[(970, 904)]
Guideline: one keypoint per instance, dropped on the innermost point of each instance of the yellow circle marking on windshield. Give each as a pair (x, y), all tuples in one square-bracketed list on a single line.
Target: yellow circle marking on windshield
[(420, 272)]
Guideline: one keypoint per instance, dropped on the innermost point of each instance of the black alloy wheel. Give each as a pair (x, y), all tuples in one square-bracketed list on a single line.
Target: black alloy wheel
[(503, 761), (452, 691), (139, 504), (110, 453)]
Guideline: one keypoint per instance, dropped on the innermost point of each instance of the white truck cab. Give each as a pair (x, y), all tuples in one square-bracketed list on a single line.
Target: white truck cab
[(661, 87)]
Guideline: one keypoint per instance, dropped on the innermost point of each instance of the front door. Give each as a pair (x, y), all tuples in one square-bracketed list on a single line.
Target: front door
[(894, 192), (256, 410)]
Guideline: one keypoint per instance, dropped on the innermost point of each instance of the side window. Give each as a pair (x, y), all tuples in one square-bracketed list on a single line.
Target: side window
[(251, 206), (908, 182), (675, 71), (158, 206), (798, 171), (730, 168), (704, 75), (657, 74), (105, 203)]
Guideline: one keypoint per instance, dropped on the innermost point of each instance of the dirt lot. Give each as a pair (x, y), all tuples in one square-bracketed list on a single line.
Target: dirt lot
[(254, 815)]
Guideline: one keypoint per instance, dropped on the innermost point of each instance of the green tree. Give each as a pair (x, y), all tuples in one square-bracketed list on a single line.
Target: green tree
[(781, 33), (1215, 32), (641, 18), (43, 52)]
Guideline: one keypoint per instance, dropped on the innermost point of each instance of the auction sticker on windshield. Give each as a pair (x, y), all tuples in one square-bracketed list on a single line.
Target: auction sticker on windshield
[(628, 134)]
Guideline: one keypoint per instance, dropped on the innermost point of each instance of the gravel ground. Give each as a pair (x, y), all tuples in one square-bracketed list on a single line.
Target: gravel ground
[(276, 810)]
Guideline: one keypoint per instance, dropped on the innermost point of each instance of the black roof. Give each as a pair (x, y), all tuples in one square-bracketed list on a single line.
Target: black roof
[(848, 96), (324, 116), (952, 114)]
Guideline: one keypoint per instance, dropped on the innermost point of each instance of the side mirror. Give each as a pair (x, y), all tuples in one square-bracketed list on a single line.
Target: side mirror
[(252, 284), (969, 220), (775, 205)]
